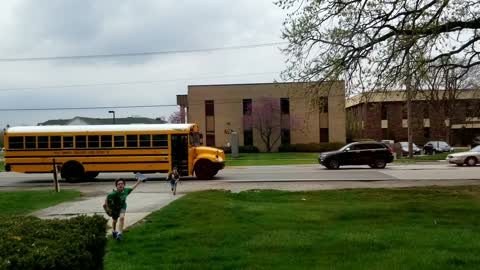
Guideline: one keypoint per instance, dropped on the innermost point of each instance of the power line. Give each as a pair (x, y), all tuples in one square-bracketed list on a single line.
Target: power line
[(88, 108), (112, 55), (129, 83), (217, 102)]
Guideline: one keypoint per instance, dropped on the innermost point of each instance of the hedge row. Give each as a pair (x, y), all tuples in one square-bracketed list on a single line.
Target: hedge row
[(310, 147), (32, 243)]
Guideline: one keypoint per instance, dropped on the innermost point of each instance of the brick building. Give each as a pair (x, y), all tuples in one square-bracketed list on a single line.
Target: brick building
[(384, 116), (220, 108)]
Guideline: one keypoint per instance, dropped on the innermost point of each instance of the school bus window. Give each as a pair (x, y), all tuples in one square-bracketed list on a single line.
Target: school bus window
[(15, 142), (93, 142), (132, 141), (106, 141), (67, 141), (119, 141), (160, 140), (30, 142), (42, 142), (80, 141), (145, 140), (55, 142)]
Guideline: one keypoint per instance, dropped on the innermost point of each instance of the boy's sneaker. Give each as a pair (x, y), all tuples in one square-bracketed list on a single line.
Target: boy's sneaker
[(119, 237), (114, 235)]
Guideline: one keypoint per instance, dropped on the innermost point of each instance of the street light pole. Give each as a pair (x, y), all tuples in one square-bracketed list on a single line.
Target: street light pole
[(113, 112)]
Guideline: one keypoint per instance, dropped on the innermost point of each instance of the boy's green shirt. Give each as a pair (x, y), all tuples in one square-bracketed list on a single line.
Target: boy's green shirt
[(118, 200)]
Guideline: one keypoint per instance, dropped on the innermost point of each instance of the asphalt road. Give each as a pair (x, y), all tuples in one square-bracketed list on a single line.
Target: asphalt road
[(292, 177)]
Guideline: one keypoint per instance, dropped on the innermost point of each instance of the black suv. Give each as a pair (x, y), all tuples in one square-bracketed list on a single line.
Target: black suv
[(374, 154)]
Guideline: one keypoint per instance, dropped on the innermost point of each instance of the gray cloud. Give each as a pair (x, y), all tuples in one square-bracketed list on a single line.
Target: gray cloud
[(78, 27)]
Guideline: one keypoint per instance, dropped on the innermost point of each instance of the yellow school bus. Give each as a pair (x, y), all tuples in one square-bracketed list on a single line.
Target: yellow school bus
[(84, 151)]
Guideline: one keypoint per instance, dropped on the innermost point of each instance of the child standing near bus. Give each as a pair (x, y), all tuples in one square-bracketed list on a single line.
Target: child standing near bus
[(173, 177), (116, 205)]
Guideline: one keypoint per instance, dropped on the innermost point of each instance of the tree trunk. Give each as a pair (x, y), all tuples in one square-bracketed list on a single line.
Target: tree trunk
[(408, 86)]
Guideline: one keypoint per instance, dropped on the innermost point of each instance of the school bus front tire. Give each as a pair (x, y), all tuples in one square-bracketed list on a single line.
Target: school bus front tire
[(204, 169)]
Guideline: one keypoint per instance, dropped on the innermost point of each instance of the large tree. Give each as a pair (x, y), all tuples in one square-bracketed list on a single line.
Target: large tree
[(379, 45), (369, 42)]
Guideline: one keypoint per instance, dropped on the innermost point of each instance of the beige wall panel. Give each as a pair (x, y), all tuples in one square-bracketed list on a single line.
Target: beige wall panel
[(229, 110)]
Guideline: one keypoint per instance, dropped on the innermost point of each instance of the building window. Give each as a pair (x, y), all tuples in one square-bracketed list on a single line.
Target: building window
[(210, 139), (426, 133), (384, 111), (384, 133), (426, 110), (247, 106), (324, 104), (285, 136), (248, 137), (209, 108), (324, 135), (285, 105), (470, 109)]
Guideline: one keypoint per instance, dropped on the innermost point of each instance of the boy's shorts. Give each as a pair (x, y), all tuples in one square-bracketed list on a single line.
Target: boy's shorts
[(116, 213), (173, 183)]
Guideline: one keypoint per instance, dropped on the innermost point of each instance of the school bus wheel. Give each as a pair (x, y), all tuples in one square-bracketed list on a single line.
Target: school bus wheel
[(204, 169), (72, 171), (91, 175)]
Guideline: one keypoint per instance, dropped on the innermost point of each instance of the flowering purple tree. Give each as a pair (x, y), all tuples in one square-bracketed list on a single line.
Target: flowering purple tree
[(265, 116), (176, 117)]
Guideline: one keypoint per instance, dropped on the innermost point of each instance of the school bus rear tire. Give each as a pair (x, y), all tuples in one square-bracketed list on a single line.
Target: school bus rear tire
[(204, 169), (91, 175), (72, 171)]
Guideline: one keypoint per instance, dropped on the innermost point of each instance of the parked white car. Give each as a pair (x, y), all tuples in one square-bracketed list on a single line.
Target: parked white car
[(470, 158)]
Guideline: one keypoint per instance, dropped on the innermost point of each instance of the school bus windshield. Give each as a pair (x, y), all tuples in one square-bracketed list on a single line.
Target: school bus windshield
[(195, 139)]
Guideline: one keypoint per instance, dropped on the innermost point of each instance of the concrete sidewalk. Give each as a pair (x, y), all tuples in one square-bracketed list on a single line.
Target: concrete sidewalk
[(139, 205)]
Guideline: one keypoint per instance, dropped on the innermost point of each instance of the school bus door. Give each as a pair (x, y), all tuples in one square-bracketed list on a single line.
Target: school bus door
[(179, 152)]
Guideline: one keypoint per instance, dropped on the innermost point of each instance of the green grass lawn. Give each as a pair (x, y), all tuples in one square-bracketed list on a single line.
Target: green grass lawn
[(423, 228), (258, 159), (278, 158), (24, 202), (423, 158)]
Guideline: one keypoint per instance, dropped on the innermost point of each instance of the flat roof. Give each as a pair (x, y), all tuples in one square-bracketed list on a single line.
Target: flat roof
[(99, 128), (400, 96), (238, 84)]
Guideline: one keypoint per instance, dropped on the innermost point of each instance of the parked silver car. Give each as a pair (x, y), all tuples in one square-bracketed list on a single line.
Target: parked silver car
[(470, 158), (404, 146)]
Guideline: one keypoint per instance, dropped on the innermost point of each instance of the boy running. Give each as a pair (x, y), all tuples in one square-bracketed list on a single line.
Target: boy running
[(173, 177), (116, 205)]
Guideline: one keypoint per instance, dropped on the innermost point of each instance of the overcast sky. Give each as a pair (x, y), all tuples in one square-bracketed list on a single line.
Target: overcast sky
[(30, 29)]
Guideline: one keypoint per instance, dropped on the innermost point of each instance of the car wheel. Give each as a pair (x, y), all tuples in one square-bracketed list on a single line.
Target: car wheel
[(333, 164), (380, 163), (471, 161)]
